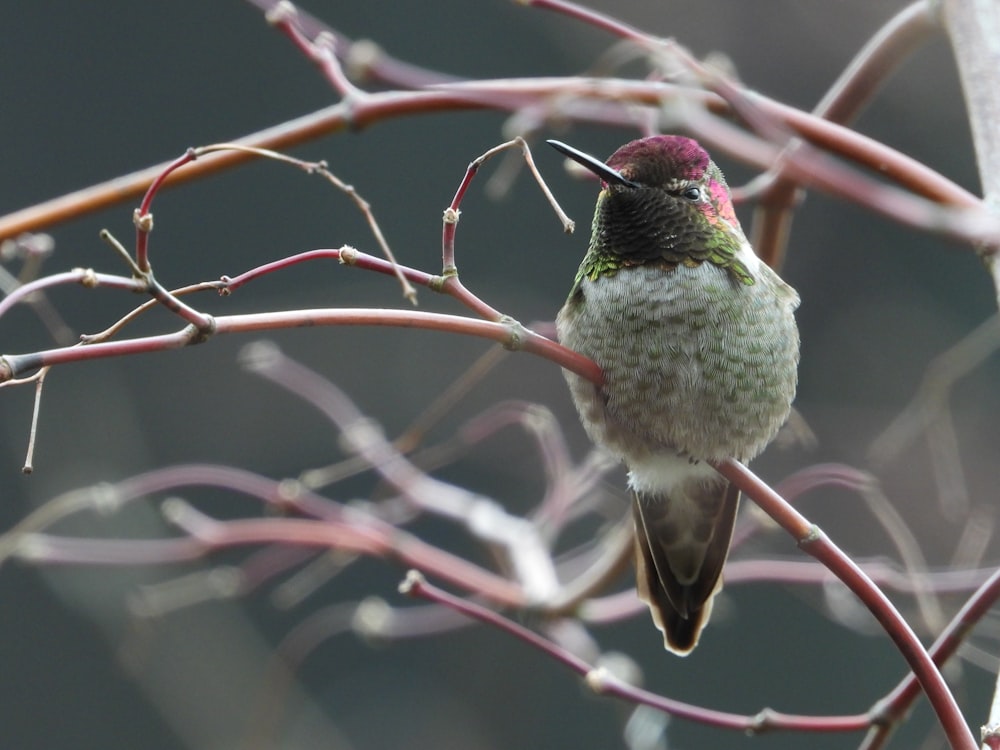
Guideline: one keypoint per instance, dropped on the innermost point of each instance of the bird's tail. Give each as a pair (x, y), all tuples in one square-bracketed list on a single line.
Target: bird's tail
[(681, 543)]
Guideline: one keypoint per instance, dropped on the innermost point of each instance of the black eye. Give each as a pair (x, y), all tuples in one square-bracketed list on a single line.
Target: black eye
[(692, 193)]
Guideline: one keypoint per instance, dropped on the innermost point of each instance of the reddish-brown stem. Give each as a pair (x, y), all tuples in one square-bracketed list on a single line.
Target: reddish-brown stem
[(884, 53), (83, 276), (602, 681), (450, 226), (974, 32), (894, 706), (332, 529), (362, 58), (602, 101), (345, 255), (510, 334), (453, 287), (593, 18), (449, 267), (143, 219), (871, 67), (321, 49), (201, 321), (813, 541)]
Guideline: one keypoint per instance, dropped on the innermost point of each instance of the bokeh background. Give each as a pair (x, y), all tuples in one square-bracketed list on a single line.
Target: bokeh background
[(91, 91)]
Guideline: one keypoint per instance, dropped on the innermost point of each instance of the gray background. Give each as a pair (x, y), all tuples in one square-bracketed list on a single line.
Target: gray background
[(90, 91)]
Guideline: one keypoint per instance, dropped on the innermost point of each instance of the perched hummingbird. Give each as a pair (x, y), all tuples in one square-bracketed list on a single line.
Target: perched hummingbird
[(698, 345)]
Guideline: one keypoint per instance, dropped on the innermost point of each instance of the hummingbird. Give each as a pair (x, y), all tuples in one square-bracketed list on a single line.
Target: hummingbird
[(697, 341)]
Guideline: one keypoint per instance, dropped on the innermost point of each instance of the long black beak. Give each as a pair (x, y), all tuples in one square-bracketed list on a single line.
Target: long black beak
[(598, 167)]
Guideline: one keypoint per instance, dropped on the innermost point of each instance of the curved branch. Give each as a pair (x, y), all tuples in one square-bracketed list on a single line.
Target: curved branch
[(508, 332)]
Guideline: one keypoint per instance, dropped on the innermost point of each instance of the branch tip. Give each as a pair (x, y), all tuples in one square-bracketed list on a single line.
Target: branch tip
[(282, 12)]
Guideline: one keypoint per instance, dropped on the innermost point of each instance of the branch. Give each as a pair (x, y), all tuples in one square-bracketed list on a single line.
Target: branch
[(813, 541), (974, 30), (595, 100), (602, 681), (509, 333)]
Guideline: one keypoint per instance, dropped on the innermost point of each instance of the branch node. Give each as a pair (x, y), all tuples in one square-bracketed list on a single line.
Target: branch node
[(174, 510), (762, 721), (814, 535), (989, 736), (597, 679), (413, 583), (143, 221), (88, 277), (515, 340), (104, 499), (202, 332), (881, 714), (348, 255), (451, 215)]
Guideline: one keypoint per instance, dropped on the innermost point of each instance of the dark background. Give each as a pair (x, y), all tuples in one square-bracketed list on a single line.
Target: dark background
[(90, 91)]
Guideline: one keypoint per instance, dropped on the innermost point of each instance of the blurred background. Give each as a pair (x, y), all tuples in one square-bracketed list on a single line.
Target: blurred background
[(91, 91)]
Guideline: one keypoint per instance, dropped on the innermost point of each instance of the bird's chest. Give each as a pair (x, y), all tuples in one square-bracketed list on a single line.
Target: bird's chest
[(647, 324), (685, 355)]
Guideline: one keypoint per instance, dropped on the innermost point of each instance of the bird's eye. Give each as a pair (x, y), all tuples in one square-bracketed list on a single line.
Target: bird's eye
[(692, 193)]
